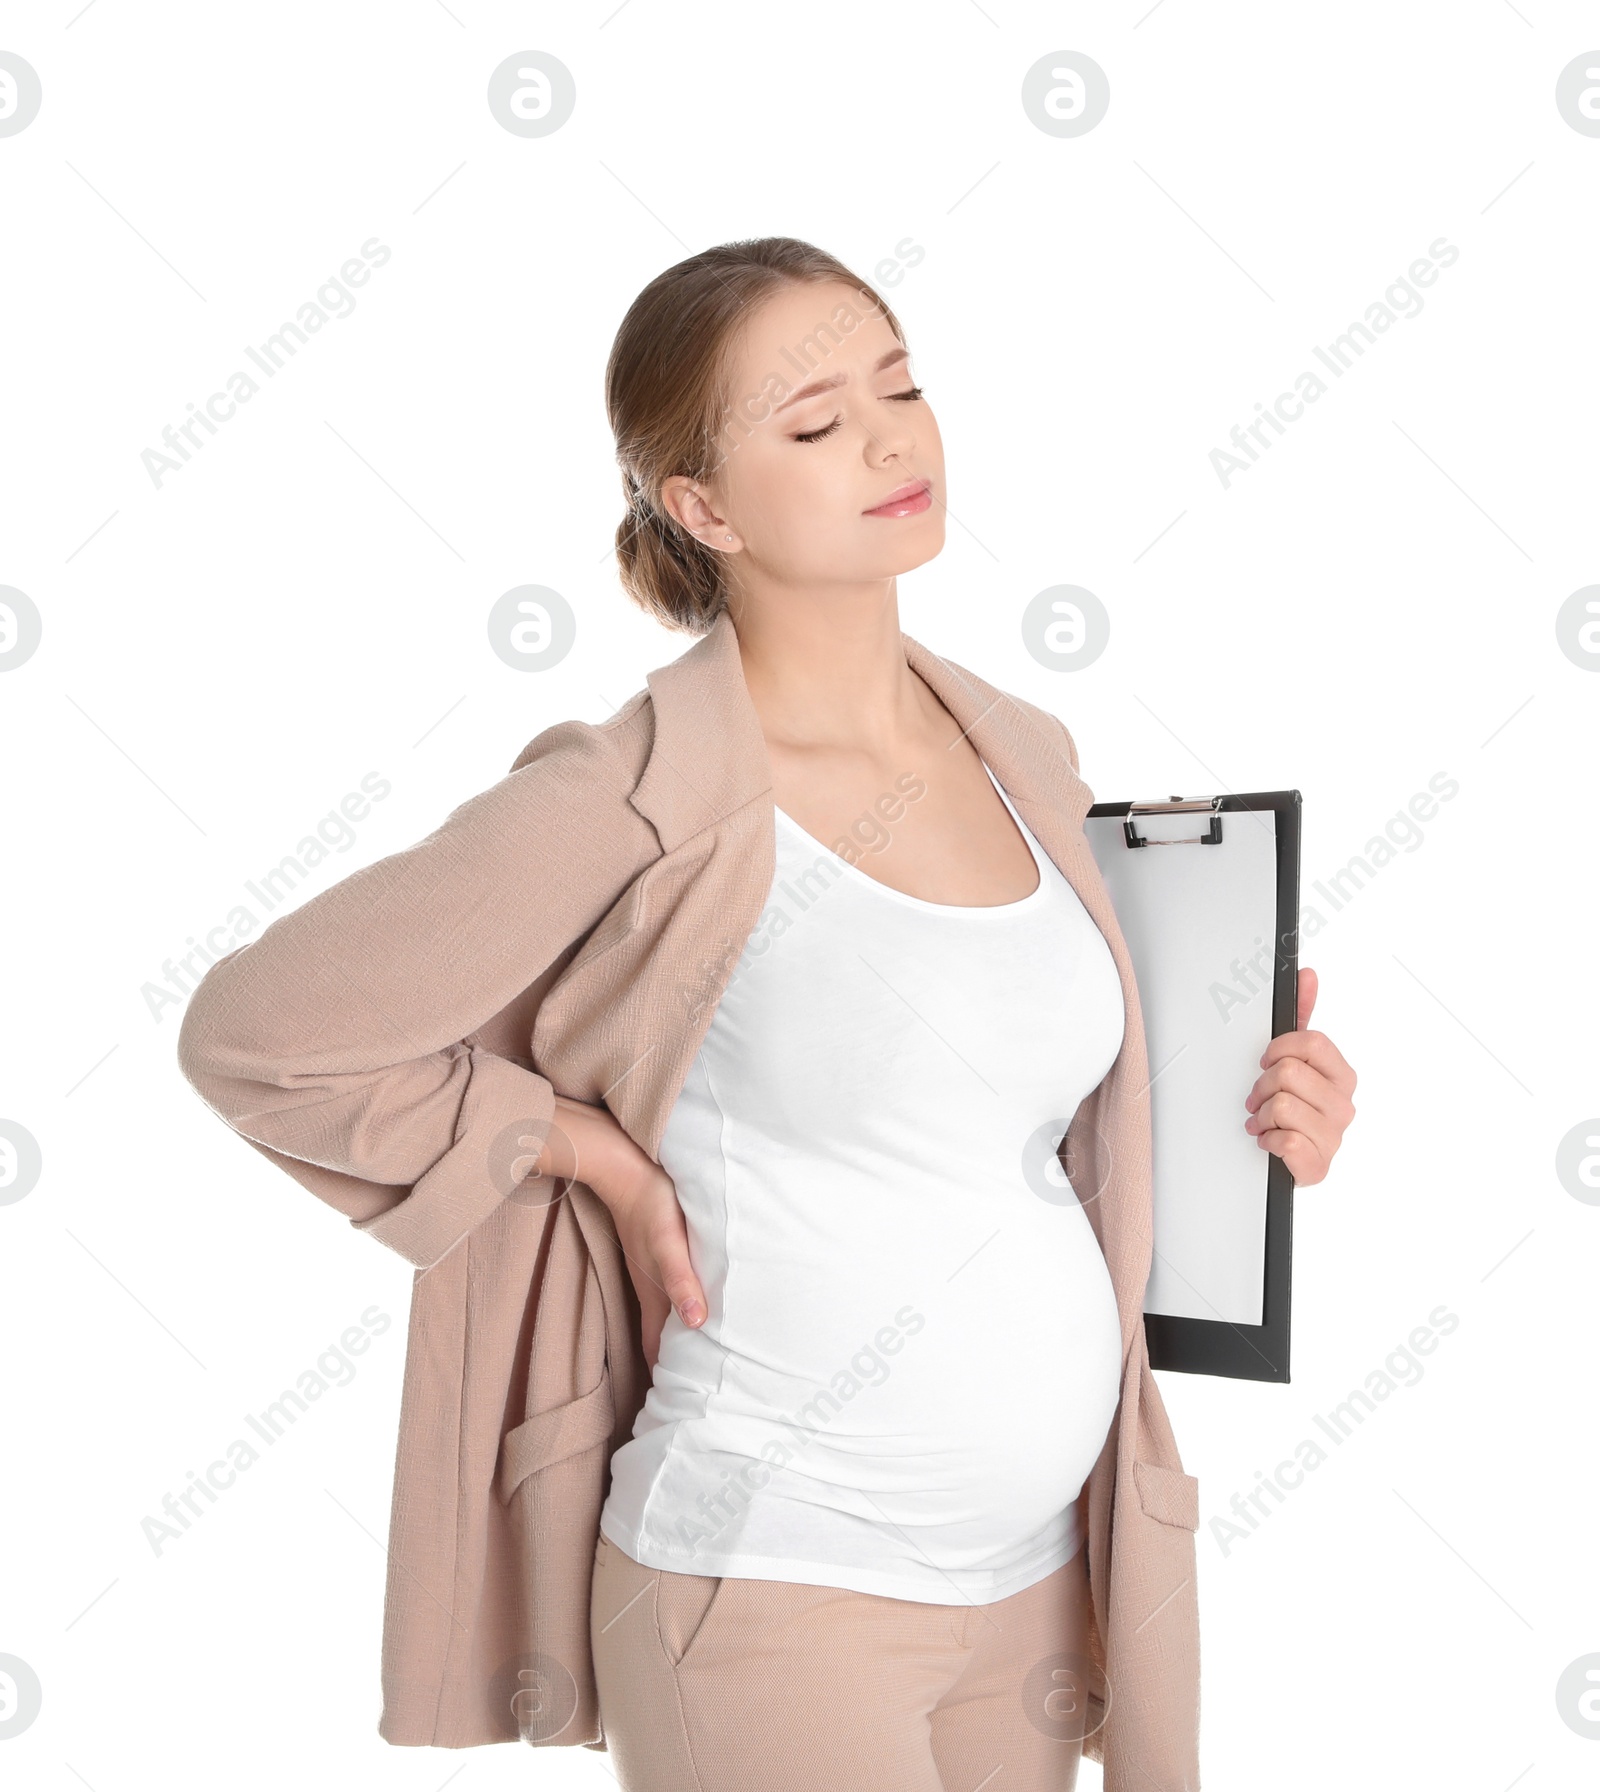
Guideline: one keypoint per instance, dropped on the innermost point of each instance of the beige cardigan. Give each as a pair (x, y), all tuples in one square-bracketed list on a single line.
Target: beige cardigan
[(396, 1041)]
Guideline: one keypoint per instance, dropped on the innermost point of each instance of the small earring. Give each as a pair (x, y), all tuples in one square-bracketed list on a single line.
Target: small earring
[(727, 538)]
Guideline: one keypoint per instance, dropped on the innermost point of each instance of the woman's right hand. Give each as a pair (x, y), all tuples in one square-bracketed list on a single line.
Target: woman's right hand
[(586, 1143)]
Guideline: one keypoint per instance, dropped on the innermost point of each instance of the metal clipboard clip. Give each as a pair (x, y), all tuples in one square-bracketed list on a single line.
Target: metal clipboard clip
[(1209, 805)]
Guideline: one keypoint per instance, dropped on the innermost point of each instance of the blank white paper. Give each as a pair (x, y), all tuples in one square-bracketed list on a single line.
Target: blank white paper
[(1199, 924)]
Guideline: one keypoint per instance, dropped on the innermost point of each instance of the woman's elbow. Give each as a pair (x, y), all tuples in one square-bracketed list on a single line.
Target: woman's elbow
[(207, 1046)]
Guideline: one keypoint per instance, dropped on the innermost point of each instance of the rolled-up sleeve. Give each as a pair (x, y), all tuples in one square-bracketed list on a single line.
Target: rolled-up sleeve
[(340, 1041)]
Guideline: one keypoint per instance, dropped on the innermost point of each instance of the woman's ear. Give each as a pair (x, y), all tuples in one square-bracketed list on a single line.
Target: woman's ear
[(689, 505)]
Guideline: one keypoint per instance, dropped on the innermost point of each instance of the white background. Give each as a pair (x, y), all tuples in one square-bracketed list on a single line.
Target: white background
[(226, 656)]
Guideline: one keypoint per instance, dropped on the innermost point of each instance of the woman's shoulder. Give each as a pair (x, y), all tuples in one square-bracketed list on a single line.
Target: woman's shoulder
[(987, 694), (609, 755), (1050, 724)]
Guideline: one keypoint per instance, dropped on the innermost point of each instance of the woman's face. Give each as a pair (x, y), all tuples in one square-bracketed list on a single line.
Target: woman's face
[(824, 424)]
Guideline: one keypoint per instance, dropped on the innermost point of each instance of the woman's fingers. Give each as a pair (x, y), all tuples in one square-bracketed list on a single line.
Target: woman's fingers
[(1300, 1104), (1298, 1135), (1317, 1052), (1286, 1112), (1299, 1076), (675, 1270), (644, 1208), (655, 1240), (653, 1311), (1307, 1162)]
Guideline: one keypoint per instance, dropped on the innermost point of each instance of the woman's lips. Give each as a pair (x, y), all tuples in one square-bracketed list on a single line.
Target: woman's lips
[(909, 500)]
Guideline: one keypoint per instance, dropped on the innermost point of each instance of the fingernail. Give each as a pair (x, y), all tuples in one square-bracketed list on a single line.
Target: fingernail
[(689, 1312)]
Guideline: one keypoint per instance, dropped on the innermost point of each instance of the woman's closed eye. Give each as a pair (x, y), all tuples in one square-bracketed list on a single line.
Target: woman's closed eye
[(816, 435)]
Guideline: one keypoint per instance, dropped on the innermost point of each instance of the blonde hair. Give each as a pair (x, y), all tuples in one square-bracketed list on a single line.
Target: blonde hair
[(667, 401)]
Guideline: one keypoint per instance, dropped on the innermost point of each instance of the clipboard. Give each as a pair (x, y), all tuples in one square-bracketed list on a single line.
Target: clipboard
[(1206, 891)]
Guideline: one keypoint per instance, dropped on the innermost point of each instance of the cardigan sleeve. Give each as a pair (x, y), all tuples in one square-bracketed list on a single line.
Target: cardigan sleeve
[(340, 1040), (1072, 745)]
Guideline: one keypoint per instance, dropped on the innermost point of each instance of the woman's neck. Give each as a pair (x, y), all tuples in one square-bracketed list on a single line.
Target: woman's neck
[(828, 672)]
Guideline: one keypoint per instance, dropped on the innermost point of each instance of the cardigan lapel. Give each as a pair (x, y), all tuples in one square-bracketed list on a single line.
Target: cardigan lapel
[(709, 756)]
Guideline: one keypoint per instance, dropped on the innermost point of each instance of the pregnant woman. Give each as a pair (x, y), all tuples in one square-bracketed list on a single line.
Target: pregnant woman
[(793, 989)]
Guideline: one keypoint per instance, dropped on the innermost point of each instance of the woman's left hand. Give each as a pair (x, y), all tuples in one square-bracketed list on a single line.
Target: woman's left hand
[(1300, 1104)]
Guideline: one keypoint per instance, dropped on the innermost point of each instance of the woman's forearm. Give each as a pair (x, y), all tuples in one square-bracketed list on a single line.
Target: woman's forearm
[(586, 1143)]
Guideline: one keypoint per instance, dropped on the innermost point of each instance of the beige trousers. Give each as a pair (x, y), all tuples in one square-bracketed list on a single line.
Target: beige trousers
[(711, 1684)]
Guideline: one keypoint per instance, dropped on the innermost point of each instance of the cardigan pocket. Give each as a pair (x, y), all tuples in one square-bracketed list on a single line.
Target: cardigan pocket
[(553, 1436), (1168, 1494)]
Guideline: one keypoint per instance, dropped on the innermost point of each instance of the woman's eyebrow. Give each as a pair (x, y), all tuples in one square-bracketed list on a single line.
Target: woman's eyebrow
[(813, 387)]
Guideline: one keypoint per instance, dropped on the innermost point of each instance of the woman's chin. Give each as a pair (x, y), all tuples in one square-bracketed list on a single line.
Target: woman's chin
[(921, 554)]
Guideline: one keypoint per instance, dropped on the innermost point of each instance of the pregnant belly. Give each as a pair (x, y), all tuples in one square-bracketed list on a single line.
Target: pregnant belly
[(974, 1372)]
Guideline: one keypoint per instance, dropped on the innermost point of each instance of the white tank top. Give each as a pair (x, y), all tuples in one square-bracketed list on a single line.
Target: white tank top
[(912, 1353)]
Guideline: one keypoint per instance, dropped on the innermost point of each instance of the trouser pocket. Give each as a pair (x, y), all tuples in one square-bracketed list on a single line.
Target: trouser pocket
[(685, 1606)]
